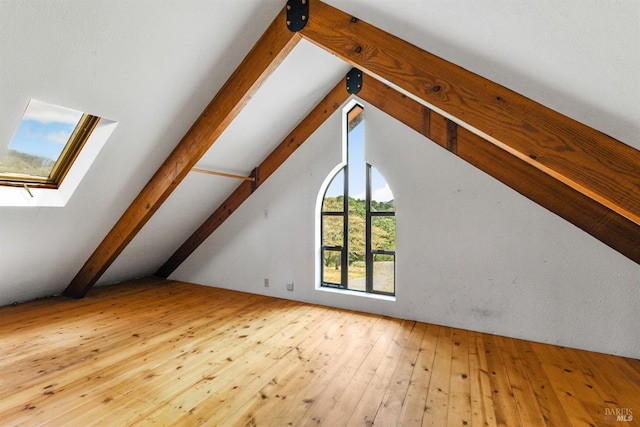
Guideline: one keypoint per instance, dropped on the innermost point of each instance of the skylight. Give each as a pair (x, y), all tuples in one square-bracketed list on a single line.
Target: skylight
[(45, 145)]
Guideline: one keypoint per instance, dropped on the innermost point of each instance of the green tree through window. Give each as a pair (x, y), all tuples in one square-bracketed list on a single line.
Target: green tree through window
[(358, 224)]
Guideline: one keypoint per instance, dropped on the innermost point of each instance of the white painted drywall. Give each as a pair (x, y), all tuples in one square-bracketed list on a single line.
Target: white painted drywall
[(471, 252), (150, 66)]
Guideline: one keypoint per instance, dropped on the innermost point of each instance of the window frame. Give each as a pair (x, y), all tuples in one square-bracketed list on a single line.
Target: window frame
[(355, 112), (342, 249), (81, 133), (369, 239)]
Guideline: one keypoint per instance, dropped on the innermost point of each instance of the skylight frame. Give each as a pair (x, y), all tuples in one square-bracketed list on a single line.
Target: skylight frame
[(78, 138)]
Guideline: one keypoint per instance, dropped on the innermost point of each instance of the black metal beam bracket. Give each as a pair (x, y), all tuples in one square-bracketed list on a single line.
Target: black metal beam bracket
[(297, 14), (354, 81)]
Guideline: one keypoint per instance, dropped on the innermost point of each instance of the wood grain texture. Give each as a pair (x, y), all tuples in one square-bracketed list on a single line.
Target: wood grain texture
[(583, 158), (325, 108), (262, 60), (160, 352), (601, 222)]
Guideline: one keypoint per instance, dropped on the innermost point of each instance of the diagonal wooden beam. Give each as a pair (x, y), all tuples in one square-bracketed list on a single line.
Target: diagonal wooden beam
[(266, 55), (590, 162), (608, 226), (325, 108), (585, 160)]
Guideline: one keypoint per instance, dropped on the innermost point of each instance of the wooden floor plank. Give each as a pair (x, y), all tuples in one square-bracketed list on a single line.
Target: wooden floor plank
[(347, 395), (482, 412), (333, 390), (295, 380), (561, 376), (157, 352), (551, 408), (613, 387), (371, 399), (229, 361), (394, 397), (633, 363), (238, 401), (504, 404), (595, 398), (436, 411), (459, 410), (414, 404), (155, 346), (529, 410)]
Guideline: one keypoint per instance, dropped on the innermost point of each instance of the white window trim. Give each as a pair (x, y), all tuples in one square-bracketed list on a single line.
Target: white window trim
[(382, 297)]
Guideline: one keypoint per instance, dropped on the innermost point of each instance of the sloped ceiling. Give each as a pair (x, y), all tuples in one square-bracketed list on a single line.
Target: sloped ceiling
[(298, 84), (153, 67)]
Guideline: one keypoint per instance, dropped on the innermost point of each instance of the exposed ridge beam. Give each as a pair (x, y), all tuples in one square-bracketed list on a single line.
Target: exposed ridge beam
[(325, 108), (602, 223), (262, 60), (590, 162)]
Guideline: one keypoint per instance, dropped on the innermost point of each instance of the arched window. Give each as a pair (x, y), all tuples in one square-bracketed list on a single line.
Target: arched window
[(358, 224)]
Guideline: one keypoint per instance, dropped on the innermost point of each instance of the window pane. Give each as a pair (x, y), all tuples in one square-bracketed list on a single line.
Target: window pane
[(332, 230), (383, 233), (357, 275), (381, 196), (334, 196), (357, 165), (357, 245), (41, 137), (384, 273), (332, 266), (357, 262)]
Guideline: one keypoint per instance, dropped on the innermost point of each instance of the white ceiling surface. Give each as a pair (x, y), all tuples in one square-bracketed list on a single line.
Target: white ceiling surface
[(154, 66)]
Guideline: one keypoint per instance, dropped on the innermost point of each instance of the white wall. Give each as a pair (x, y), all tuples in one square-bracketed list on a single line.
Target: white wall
[(471, 252), (153, 69), (150, 66)]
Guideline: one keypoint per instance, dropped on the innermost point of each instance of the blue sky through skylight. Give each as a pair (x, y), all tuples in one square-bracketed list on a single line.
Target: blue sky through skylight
[(45, 129)]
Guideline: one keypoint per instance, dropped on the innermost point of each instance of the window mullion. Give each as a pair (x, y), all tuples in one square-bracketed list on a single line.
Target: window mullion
[(345, 234), (369, 254)]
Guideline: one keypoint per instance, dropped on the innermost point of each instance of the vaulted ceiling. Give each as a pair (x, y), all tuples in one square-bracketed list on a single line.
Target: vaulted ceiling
[(154, 69)]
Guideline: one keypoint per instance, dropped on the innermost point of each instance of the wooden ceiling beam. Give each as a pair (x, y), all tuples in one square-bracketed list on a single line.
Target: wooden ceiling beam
[(325, 108), (262, 60), (604, 172), (611, 228), (590, 162)]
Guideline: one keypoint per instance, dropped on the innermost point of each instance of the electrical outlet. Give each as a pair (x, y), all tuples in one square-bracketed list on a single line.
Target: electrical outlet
[(266, 283), (290, 286)]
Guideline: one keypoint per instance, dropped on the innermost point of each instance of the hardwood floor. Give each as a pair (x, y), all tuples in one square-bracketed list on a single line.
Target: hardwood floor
[(156, 352)]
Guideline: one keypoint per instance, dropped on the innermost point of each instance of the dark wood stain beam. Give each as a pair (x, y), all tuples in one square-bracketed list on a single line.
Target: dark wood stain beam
[(262, 60), (608, 226), (583, 158), (336, 97)]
